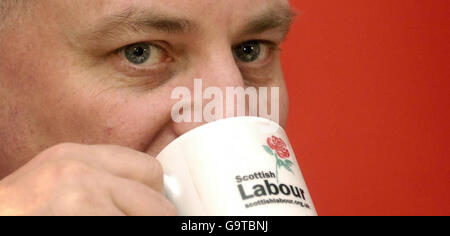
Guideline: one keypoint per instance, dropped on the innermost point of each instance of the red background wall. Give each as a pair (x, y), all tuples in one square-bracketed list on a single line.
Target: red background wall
[(369, 84)]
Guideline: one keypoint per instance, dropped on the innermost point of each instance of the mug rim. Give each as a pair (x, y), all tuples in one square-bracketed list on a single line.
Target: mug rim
[(216, 122)]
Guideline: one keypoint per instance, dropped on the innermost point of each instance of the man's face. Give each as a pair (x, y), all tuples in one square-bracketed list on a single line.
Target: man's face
[(102, 71)]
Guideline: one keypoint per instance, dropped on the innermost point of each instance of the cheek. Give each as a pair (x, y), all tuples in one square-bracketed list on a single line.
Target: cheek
[(135, 123), (122, 119), (87, 113)]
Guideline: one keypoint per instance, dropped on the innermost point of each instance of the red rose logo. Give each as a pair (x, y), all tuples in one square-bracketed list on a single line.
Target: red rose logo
[(279, 146)]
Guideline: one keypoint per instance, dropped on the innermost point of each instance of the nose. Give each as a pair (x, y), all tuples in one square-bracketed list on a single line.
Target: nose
[(211, 76)]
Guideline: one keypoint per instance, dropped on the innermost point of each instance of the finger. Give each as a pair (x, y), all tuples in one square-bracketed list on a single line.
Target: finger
[(96, 210), (136, 199), (120, 161), (130, 164)]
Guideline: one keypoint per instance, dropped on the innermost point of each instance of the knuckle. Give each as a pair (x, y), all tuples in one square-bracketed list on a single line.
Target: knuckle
[(76, 199), (69, 171), (57, 151), (74, 169), (68, 184), (77, 183)]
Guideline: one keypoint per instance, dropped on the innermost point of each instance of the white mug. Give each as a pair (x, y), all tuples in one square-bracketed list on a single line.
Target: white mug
[(242, 166)]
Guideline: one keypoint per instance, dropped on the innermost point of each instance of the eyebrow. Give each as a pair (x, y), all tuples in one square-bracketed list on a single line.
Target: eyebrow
[(280, 18), (137, 20)]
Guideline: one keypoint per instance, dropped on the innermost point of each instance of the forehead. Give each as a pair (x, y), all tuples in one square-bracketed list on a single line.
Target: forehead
[(228, 11), (202, 7)]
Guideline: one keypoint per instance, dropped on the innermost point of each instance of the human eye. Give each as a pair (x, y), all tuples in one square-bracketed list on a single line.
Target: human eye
[(143, 54), (254, 53), (142, 59), (143, 64)]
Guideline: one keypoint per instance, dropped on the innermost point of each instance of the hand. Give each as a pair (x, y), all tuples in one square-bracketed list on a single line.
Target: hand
[(74, 179)]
